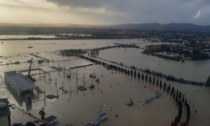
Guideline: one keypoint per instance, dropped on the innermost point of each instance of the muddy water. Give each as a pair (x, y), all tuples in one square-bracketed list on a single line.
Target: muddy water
[(191, 70), (111, 95)]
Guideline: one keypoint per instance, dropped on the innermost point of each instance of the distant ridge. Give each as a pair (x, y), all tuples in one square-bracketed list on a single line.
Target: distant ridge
[(50, 29), (185, 27)]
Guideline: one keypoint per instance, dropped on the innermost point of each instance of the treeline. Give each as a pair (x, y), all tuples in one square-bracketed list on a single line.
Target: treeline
[(175, 58), (72, 52), (172, 78)]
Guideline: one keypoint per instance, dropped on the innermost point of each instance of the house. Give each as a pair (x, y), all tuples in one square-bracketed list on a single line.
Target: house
[(4, 113)]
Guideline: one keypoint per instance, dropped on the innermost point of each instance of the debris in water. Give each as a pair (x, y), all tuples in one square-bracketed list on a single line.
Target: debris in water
[(51, 96), (82, 88), (92, 86), (97, 80), (30, 46)]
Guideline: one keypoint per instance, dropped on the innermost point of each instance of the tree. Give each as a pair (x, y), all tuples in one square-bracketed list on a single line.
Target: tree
[(208, 82), (17, 124), (30, 124)]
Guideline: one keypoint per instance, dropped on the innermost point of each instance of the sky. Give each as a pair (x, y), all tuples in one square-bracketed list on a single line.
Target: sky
[(103, 12)]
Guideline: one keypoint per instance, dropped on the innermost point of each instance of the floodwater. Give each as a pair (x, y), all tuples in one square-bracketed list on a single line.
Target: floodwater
[(190, 70), (113, 92)]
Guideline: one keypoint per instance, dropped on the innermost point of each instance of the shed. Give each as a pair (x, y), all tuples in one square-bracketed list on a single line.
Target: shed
[(4, 112), (19, 83)]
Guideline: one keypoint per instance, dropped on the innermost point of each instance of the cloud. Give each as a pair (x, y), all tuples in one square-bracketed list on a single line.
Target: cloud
[(198, 15), (37, 4), (202, 16), (81, 3), (138, 11), (38, 12), (109, 11)]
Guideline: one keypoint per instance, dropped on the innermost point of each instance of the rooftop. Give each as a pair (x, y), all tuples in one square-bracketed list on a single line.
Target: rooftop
[(21, 82)]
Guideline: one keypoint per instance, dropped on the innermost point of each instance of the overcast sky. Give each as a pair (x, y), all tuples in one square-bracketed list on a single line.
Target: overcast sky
[(104, 11)]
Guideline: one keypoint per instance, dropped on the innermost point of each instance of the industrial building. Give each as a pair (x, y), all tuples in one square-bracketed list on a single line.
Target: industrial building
[(4, 113), (20, 84)]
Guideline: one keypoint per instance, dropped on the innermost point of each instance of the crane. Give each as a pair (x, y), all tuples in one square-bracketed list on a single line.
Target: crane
[(29, 72)]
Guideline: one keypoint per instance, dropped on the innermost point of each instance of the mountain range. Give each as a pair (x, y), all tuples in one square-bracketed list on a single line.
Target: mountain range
[(184, 27), (50, 29)]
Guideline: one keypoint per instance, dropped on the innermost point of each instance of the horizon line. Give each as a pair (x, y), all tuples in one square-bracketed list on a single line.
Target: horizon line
[(62, 25)]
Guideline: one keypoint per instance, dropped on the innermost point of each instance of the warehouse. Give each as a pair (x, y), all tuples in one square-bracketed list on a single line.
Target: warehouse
[(20, 84)]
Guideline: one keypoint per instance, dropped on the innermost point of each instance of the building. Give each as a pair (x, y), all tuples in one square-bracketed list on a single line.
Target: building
[(4, 113), (20, 84)]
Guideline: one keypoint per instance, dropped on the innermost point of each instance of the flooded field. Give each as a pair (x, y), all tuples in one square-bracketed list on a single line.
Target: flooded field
[(112, 92), (191, 70)]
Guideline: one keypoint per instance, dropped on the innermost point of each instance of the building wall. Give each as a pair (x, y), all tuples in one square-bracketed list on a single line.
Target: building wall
[(9, 81)]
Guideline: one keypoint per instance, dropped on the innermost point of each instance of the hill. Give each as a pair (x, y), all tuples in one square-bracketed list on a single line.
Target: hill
[(49, 29), (184, 27)]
